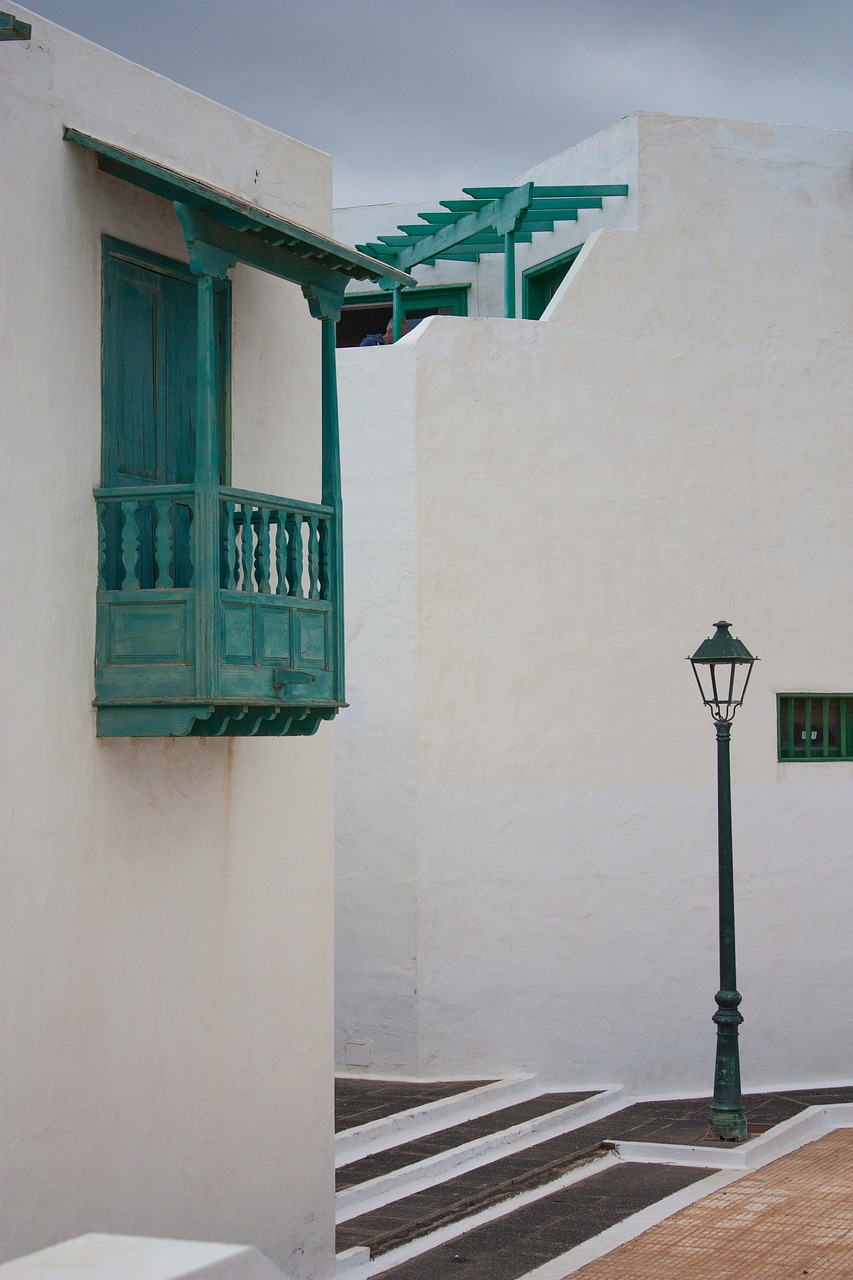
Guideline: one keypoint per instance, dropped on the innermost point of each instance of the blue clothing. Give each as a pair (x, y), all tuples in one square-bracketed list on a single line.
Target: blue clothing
[(373, 340)]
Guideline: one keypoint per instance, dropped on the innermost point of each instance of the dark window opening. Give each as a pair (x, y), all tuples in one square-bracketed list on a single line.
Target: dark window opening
[(815, 726), (367, 314)]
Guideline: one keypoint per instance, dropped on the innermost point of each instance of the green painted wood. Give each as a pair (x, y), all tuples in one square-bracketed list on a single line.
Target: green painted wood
[(262, 550), (482, 237), (332, 496), (232, 212), (845, 744), (281, 554), (539, 283), (555, 208), (325, 304), (203, 234), (231, 494), (313, 558), (397, 313), (101, 512), (205, 720), (145, 649), (149, 387), (295, 555), (545, 192), (230, 548), (509, 275), (498, 215), (452, 296), (815, 728), (170, 657), (415, 233), (164, 541), (499, 246), (326, 583), (246, 546), (441, 233), (551, 207), (206, 492), (130, 546), (144, 493), (453, 255), (12, 28)]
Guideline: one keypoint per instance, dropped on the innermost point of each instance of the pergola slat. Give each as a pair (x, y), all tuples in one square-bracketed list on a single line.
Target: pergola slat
[(489, 220)]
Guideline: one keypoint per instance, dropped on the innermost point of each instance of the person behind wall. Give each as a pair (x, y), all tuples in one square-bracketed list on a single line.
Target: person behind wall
[(383, 339)]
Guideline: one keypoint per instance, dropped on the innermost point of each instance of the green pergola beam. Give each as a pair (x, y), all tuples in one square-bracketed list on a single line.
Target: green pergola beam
[(562, 208), (543, 222), (497, 215), (417, 235), (493, 193), (454, 255), (538, 202), (490, 220), (12, 28), (444, 219)]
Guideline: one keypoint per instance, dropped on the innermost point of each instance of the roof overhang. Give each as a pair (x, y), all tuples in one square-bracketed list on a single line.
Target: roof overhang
[(239, 231)]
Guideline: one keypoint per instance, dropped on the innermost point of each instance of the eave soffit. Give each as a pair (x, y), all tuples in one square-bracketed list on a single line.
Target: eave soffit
[(241, 231)]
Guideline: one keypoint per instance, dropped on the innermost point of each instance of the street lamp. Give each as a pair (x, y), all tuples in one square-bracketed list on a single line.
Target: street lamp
[(722, 666)]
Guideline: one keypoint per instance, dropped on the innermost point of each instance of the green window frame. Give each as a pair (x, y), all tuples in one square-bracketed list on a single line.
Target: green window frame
[(454, 297), (370, 312), (814, 726), (540, 283)]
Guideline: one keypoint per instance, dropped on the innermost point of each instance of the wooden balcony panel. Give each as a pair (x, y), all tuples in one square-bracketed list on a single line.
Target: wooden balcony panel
[(268, 618)]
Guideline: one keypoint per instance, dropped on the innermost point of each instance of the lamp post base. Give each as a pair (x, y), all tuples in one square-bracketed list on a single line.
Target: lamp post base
[(728, 1126), (726, 1116)]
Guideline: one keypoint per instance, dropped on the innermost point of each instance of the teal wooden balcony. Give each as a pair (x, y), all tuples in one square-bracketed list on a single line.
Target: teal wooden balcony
[(241, 637), (219, 610)]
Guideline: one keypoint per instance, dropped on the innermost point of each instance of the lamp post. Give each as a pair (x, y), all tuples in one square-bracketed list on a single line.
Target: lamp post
[(722, 666)]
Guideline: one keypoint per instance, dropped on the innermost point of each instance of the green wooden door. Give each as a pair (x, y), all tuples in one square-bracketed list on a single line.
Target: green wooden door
[(150, 345)]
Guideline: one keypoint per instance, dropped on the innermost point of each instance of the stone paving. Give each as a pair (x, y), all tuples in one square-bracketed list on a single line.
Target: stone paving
[(792, 1218), (509, 1247), (455, 1135), (359, 1101), (795, 1222), (683, 1120)]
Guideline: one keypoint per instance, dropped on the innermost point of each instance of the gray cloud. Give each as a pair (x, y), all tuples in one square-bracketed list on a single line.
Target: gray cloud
[(414, 97)]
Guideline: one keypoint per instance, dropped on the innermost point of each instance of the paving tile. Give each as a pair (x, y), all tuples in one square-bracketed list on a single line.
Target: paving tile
[(793, 1218), (393, 1158), (516, 1243), (360, 1100)]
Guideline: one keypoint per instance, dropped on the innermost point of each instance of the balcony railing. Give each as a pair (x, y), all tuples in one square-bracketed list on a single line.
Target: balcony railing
[(275, 547), (249, 647)]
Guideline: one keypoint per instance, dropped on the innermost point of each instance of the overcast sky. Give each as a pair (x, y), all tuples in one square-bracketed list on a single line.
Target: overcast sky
[(414, 98)]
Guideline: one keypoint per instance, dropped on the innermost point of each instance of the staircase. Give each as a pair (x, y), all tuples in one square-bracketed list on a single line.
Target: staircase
[(495, 1180)]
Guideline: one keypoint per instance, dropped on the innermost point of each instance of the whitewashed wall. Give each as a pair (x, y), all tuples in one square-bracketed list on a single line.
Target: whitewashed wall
[(669, 446), (165, 946)]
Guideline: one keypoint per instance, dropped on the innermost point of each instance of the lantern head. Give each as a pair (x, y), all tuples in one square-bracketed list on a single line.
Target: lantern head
[(722, 666)]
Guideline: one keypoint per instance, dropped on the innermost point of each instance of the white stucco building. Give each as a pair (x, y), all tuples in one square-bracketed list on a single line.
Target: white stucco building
[(544, 518), (166, 968)]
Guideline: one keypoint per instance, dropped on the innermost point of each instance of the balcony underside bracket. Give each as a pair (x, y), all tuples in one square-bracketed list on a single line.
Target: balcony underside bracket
[(211, 720)]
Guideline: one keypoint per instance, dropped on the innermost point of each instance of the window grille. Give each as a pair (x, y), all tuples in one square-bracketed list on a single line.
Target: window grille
[(815, 726)]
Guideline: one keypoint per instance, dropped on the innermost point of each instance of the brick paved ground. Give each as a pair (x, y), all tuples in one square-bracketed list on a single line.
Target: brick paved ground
[(791, 1219)]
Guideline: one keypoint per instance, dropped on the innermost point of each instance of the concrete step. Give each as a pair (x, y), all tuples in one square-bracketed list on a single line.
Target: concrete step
[(394, 1173), (402, 1110)]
